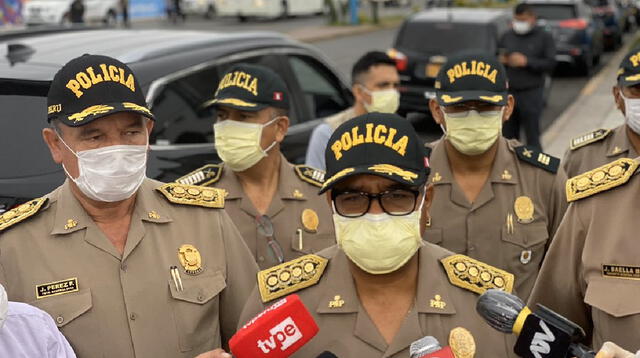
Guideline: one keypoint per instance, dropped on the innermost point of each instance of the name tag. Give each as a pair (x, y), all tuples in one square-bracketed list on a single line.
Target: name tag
[(618, 271), (57, 288)]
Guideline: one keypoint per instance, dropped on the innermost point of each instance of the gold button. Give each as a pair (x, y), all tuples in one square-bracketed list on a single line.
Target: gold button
[(499, 282), (461, 267), (60, 320), (473, 271), (296, 271), (485, 276), (285, 276), (272, 280), (200, 297), (133, 316), (309, 267)]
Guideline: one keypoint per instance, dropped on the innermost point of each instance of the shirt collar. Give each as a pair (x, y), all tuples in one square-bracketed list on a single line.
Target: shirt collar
[(619, 143)]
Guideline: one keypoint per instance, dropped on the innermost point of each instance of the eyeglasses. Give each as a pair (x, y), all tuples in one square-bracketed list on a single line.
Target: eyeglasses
[(396, 202), (265, 228), (463, 111)]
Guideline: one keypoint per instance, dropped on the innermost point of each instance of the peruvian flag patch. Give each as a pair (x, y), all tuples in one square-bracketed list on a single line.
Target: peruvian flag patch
[(277, 96)]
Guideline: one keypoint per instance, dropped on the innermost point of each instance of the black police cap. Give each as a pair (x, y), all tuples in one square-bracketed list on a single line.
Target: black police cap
[(380, 144), (91, 87), (250, 88), (472, 77), (629, 71)]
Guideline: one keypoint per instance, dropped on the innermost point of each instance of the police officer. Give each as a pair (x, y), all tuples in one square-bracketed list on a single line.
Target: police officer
[(500, 201), (591, 273), (382, 287), (272, 202), (602, 146), (126, 266), (528, 52), (76, 12)]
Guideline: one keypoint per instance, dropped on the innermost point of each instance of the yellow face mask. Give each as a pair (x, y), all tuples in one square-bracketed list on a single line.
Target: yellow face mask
[(474, 133)]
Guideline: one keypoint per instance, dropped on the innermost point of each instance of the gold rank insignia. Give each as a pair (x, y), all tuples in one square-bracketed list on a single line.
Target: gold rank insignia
[(290, 276), (506, 175), (437, 302), (21, 213), (537, 158), (310, 220), (436, 178), (337, 302), (523, 207), (588, 138), (476, 276), (600, 179), (462, 343), (298, 194), (193, 195), (190, 259), (204, 176), (70, 224), (310, 175)]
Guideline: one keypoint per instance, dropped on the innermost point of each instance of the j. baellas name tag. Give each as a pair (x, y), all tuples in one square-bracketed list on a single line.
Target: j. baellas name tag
[(618, 271)]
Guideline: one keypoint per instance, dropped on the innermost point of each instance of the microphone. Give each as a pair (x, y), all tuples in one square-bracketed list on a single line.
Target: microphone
[(327, 354), (429, 347), (541, 334), (277, 332)]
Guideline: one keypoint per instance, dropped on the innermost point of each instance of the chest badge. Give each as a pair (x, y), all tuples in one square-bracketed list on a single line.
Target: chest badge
[(525, 256), (337, 302), (310, 220), (190, 259), (523, 207), (437, 302)]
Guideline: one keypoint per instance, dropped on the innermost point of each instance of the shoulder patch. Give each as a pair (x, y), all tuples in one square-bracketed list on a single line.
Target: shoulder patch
[(588, 138), (538, 159), (193, 195), (600, 179), (290, 276), (476, 276), (21, 213), (310, 175), (207, 175)]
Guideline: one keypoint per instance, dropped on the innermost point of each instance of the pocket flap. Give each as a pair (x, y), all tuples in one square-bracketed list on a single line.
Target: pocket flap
[(67, 307), (526, 235), (198, 289), (599, 295)]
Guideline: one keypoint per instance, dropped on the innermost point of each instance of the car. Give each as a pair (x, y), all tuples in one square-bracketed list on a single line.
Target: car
[(178, 70), (39, 12), (425, 39), (244, 9), (578, 35), (204, 8), (614, 21)]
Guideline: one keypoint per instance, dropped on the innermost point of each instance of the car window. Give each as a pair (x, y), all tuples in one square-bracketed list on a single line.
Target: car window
[(451, 37), (178, 107), (322, 91), (554, 12)]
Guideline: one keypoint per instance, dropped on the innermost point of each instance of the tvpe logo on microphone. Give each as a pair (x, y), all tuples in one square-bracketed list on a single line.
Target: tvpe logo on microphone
[(283, 335), (540, 345)]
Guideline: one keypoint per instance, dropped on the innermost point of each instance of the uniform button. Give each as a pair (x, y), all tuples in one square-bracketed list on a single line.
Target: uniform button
[(200, 297), (123, 267), (260, 258), (133, 316), (60, 320)]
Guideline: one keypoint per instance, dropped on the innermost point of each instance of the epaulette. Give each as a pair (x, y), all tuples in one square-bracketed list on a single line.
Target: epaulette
[(588, 138), (476, 276), (207, 175), (290, 276), (537, 158), (600, 179), (21, 213), (193, 195), (310, 175)]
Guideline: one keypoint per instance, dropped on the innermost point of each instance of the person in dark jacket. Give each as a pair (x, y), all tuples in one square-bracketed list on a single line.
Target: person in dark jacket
[(76, 13), (528, 52)]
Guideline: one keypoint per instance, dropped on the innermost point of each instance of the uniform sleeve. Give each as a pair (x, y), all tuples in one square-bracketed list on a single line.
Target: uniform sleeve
[(557, 201), (560, 284), (317, 145), (547, 60), (252, 307), (241, 278), (568, 163)]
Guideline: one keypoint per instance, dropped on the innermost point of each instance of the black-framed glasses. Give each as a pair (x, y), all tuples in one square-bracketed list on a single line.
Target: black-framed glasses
[(396, 202), (265, 228)]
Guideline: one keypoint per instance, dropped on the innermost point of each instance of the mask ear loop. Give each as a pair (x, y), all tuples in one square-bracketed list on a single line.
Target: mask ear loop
[(265, 151)]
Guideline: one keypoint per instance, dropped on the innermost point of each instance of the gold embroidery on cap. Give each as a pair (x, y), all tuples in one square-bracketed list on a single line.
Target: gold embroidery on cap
[(90, 111), (393, 170), (136, 107), (448, 99), (494, 99), (337, 176)]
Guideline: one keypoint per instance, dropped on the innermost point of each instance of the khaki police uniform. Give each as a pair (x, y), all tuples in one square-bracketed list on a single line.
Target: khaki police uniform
[(301, 218), (597, 148), (511, 223), (591, 273), (130, 305), (444, 300)]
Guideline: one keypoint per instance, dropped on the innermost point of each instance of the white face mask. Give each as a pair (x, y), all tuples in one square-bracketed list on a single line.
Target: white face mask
[(4, 306), (379, 243), (238, 143), (384, 101), (632, 112), (111, 173), (521, 27)]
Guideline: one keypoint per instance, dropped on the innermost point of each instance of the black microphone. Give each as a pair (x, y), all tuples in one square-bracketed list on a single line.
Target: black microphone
[(327, 354), (541, 334)]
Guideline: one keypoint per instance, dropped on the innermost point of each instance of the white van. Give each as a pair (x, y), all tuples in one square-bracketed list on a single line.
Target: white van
[(206, 8), (36, 12), (268, 8)]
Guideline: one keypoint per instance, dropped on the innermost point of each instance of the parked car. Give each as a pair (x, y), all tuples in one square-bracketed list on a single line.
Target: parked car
[(578, 35), (244, 9), (426, 39), (178, 70), (205, 8), (38, 12), (614, 21)]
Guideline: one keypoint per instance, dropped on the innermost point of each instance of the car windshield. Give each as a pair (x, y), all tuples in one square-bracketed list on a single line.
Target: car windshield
[(446, 38), (554, 12)]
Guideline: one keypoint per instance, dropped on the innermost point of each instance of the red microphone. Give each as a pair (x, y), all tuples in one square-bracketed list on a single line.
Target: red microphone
[(277, 332)]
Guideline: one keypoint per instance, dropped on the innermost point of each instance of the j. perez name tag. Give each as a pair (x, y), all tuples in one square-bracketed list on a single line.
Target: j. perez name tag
[(618, 271), (57, 288)]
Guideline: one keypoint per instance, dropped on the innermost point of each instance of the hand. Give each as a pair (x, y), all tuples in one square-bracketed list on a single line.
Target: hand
[(610, 350), (217, 353), (517, 59)]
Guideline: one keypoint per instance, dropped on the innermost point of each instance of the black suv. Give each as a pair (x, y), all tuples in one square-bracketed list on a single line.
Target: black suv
[(179, 71), (426, 39)]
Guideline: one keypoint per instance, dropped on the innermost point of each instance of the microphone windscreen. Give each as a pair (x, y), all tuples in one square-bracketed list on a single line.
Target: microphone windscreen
[(500, 309), (327, 354), (423, 345)]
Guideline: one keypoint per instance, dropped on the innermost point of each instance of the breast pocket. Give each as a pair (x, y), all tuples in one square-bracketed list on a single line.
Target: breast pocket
[(67, 307), (309, 243), (524, 249), (196, 308)]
